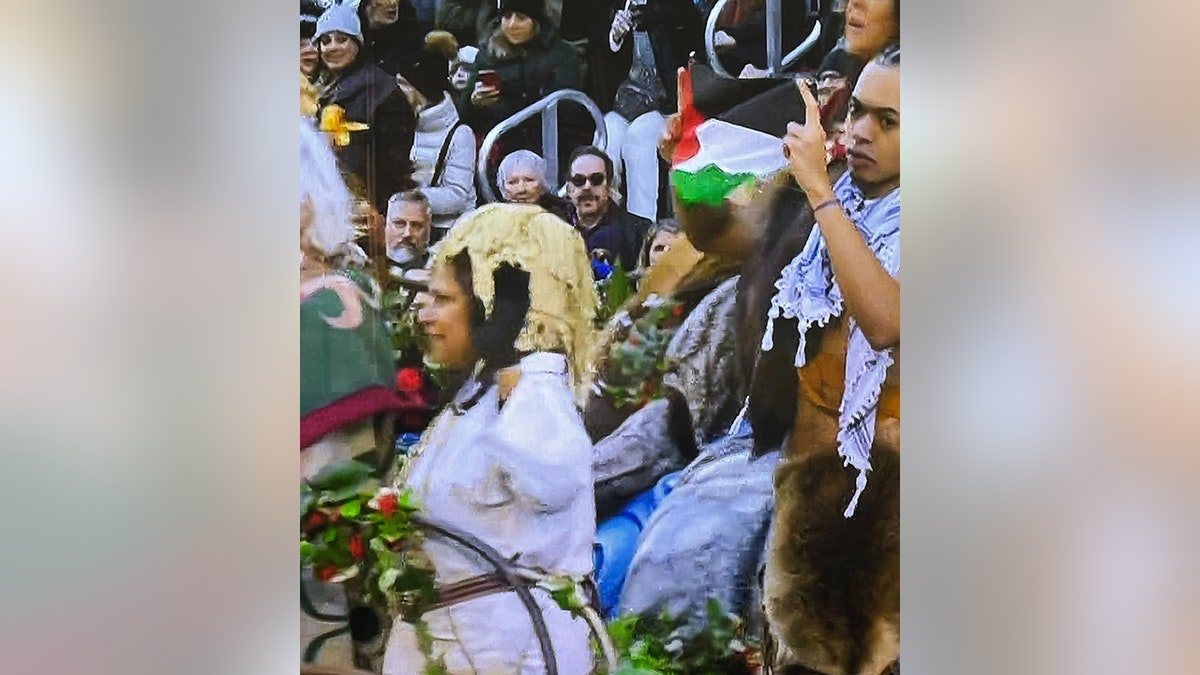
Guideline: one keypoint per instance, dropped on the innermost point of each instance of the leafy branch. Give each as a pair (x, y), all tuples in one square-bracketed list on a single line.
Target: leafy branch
[(665, 645)]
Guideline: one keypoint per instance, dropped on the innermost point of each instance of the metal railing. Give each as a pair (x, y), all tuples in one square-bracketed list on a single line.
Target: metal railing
[(775, 63), (548, 109)]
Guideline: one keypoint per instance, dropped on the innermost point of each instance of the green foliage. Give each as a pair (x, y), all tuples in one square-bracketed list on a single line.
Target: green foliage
[(352, 530), (664, 645), (340, 475), (632, 370), (612, 292), (406, 330)]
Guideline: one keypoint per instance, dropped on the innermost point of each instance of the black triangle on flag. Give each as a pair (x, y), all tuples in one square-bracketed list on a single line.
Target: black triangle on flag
[(769, 111), (713, 95)]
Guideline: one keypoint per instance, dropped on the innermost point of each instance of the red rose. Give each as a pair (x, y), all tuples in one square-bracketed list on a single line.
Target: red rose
[(408, 379), (387, 504), (356, 547), (326, 573), (677, 312), (315, 520)]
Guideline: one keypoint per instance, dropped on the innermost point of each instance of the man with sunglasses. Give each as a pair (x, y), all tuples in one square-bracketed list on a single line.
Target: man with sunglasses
[(603, 223)]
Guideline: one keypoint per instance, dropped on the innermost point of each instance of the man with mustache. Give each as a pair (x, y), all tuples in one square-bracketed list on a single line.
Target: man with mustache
[(604, 224), (409, 222)]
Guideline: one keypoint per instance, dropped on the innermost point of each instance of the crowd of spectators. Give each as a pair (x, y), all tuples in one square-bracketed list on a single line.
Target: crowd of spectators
[(428, 79), (406, 92)]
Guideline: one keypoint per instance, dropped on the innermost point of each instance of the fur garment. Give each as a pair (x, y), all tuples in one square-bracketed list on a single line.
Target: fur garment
[(832, 583)]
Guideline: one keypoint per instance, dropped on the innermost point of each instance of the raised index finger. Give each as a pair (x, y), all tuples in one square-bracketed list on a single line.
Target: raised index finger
[(679, 88), (812, 111)]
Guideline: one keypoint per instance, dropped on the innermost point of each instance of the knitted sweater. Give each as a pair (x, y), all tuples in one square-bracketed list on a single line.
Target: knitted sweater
[(455, 193)]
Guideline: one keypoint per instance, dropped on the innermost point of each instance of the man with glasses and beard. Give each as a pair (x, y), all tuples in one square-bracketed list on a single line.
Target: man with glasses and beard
[(610, 232)]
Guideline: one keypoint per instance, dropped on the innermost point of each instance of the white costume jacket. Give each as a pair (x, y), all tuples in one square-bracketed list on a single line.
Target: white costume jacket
[(518, 478)]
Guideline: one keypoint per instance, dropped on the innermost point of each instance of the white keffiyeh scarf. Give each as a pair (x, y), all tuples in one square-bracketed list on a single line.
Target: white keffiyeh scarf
[(808, 293)]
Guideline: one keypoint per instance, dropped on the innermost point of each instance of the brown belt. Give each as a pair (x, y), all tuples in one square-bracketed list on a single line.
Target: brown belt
[(469, 589)]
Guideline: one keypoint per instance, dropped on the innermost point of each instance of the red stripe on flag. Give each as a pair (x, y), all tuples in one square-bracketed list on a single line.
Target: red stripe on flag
[(688, 146)]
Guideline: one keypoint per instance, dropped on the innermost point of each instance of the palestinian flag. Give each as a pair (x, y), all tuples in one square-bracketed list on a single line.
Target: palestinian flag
[(719, 153)]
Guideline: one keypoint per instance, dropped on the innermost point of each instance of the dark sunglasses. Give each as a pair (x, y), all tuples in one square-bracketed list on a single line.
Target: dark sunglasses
[(596, 179)]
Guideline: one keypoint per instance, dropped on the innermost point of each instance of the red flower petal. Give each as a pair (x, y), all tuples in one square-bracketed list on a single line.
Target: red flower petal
[(314, 521), (408, 379), (387, 504)]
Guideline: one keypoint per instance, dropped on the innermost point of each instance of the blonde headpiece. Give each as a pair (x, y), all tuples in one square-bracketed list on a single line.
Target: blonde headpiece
[(562, 294)]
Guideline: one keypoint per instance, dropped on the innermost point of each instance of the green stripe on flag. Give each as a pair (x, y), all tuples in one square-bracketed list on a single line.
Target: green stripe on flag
[(708, 186)]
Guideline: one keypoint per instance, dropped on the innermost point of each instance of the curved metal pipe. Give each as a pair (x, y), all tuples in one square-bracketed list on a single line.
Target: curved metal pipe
[(773, 45), (803, 47), (710, 31), (549, 135)]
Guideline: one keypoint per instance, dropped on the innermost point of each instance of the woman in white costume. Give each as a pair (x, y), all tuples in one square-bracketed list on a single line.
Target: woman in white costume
[(508, 461)]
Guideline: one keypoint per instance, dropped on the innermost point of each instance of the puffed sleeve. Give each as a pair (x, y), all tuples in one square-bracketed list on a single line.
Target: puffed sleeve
[(541, 445)]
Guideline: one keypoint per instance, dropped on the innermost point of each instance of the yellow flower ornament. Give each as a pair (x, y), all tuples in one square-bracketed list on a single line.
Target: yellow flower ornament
[(333, 122)]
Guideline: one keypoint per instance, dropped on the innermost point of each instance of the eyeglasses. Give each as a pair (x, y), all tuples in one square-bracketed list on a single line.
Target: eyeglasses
[(596, 179)]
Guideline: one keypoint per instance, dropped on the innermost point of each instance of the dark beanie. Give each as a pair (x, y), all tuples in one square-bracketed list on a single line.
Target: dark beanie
[(429, 70), (428, 74), (309, 11), (530, 8), (843, 62)]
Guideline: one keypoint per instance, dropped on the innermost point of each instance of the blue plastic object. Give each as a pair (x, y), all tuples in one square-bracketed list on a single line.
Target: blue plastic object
[(617, 539), (404, 442), (601, 269)]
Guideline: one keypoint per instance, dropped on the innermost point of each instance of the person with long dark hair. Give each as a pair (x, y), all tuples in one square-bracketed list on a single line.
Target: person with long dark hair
[(527, 61), (508, 460)]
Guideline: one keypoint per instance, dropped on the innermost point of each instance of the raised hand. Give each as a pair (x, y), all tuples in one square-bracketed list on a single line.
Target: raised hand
[(483, 96), (674, 128), (621, 25), (804, 147)]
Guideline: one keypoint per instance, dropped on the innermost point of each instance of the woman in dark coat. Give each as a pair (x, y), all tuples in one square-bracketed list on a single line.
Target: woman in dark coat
[(394, 36), (530, 62), (377, 158)]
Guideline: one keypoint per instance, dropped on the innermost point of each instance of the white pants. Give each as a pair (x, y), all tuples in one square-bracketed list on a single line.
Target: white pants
[(634, 145)]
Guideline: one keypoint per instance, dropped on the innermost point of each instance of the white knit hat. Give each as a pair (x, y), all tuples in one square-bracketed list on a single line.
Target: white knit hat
[(342, 18), (467, 54)]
